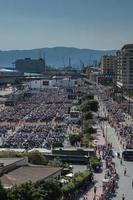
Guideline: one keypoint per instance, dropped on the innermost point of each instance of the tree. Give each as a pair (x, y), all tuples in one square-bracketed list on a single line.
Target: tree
[(93, 105), (40, 190), (3, 194), (88, 97), (22, 192), (87, 115), (49, 190), (58, 144), (85, 107), (37, 158), (74, 138)]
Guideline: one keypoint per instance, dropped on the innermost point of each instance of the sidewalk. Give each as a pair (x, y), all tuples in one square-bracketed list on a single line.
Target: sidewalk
[(98, 183), (98, 177)]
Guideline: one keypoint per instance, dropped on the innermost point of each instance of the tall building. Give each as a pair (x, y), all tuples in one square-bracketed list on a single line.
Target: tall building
[(108, 64), (29, 65), (125, 67)]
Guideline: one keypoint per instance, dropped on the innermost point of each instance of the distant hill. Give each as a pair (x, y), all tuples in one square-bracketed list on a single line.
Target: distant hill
[(55, 57)]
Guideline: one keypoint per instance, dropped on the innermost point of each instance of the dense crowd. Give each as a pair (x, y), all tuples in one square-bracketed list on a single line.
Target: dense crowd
[(29, 123), (34, 136), (41, 105), (115, 113)]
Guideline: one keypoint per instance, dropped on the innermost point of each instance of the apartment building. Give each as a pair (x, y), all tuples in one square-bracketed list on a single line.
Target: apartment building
[(108, 64), (125, 67)]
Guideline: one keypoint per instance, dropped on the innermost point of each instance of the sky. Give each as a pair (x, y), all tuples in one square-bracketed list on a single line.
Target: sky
[(93, 24)]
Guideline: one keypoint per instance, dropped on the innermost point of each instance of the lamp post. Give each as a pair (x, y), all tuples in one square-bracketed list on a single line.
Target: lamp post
[(129, 102), (106, 130)]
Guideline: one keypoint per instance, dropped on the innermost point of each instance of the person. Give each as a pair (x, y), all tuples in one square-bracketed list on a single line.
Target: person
[(132, 183), (95, 189), (123, 197), (118, 154), (125, 172), (121, 161)]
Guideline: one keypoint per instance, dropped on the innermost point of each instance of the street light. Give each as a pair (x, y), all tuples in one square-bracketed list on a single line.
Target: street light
[(106, 133), (129, 102)]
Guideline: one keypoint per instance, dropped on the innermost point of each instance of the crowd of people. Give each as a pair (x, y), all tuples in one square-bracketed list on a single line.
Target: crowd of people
[(36, 136), (116, 116), (41, 105), (33, 121)]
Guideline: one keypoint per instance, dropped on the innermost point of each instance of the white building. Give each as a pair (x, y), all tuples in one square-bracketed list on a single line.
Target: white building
[(54, 82), (62, 82)]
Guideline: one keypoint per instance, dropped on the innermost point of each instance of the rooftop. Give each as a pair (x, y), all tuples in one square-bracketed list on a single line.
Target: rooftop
[(25, 174), (71, 148), (7, 70), (9, 161), (127, 46)]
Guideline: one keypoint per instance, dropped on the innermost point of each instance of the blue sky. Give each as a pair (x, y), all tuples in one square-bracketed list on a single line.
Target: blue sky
[(95, 24)]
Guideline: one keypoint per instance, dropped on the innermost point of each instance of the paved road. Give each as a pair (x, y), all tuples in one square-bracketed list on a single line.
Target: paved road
[(125, 182)]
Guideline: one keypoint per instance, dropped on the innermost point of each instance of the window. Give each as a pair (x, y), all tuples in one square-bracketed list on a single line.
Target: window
[(45, 82)]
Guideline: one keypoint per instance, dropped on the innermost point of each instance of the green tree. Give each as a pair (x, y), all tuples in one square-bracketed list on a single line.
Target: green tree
[(85, 107), (58, 144), (3, 194), (93, 105), (87, 115), (49, 190), (88, 97), (74, 138), (37, 158)]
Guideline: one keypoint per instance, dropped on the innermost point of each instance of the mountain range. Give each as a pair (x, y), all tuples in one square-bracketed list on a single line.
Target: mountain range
[(56, 56)]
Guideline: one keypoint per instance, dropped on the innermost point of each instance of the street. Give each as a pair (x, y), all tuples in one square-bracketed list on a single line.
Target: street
[(125, 182)]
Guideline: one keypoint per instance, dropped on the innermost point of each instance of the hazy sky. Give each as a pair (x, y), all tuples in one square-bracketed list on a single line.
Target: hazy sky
[(95, 24)]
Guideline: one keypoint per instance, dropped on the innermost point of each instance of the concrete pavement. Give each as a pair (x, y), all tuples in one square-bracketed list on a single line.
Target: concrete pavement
[(98, 177), (125, 182)]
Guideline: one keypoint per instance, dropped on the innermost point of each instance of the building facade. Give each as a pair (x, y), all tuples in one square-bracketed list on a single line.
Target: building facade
[(42, 84), (108, 64), (29, 65), (125, 67)]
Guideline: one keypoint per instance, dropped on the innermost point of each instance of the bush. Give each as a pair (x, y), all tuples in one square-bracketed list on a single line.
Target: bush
[(68, 187), (77, 181)]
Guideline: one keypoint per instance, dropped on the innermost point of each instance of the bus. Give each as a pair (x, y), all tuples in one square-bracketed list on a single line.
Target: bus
[(127, 154)]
